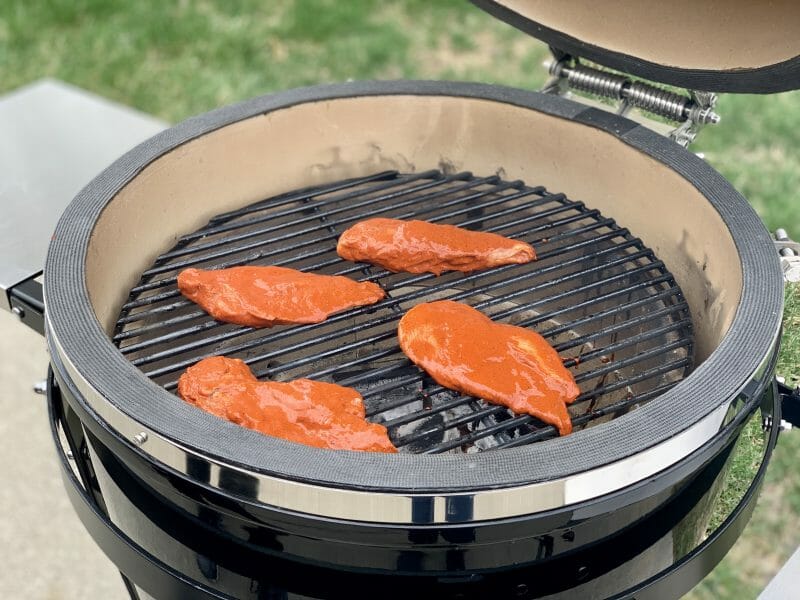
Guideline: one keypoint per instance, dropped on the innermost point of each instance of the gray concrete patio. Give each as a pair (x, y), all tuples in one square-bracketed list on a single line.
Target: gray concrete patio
[(46, 554)]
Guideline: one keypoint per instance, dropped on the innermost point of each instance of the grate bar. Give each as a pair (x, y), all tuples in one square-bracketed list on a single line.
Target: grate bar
[(434, 389), (632, 322), (426, 277), (639, 357), (211, 229), (306, 198), (214, 340), (471, 418), (308, 218), (434, 409), (228, 335), (375, 373), (321, 373), (299, 195), (473, 437), (331, 236), (593, 300), (175, 293), (548, 431), (324, 250), (613, 312), (309, 230), (585, 357), (466, 186)]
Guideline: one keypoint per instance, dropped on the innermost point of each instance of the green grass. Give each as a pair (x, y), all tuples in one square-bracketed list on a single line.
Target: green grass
[(177, 59), (789, 362), (744, 462), (770, 537), (757, 148)]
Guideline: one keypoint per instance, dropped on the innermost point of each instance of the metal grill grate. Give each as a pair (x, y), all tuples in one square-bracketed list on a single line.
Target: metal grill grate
[(598, 295)]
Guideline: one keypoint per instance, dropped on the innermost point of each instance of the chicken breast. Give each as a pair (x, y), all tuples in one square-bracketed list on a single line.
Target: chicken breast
[(421, 247), (324, 415), (463, 350), (267, 296)]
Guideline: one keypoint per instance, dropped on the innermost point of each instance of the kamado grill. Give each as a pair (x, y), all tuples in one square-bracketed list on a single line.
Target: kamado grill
[(656, 282)]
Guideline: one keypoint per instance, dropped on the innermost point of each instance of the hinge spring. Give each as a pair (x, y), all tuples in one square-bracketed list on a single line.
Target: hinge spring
[(635, 93)]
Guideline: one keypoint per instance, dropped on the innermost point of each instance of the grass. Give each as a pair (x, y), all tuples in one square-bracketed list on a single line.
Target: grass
[(769, 539), (176, 59)]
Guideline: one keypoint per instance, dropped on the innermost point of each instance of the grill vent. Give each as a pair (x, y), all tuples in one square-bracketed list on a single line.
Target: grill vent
[(599, 296)]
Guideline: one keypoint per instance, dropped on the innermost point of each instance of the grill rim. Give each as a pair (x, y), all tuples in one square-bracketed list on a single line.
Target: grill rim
[(78, 339)]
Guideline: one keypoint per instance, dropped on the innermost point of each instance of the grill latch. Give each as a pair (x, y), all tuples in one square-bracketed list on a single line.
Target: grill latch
[(692, 112)]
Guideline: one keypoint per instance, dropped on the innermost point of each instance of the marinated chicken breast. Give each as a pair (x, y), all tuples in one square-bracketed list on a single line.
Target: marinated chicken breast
[(421, 247), (267, 296), (463, 350), (324, 415)]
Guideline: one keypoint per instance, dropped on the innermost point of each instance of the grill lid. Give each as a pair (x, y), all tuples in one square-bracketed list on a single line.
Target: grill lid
[(714, 46)]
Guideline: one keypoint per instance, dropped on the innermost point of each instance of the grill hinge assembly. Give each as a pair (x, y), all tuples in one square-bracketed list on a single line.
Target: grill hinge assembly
[(690, 112)]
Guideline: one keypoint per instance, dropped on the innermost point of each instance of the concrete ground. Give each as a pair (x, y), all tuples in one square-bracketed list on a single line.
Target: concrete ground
[(45, 552)]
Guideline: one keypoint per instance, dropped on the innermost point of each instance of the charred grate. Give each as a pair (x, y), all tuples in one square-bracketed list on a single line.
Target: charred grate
[(599, 296)]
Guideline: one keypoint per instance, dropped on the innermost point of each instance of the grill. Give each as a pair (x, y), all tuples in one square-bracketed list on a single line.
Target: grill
[(671, 327), (666, 327), (596, 293)]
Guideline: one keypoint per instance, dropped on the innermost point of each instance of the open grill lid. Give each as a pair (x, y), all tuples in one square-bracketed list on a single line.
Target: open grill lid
[(708, 45)]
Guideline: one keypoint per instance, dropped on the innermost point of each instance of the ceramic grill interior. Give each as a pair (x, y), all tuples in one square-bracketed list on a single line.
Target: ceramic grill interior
[(596, 293)]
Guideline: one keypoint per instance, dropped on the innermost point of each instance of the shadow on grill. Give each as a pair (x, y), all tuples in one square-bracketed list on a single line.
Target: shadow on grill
[(598, 295)]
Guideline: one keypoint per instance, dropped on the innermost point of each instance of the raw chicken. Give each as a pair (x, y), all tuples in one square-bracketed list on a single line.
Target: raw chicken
[(463, 350), (420, 247), (267, 296), (308, 412)]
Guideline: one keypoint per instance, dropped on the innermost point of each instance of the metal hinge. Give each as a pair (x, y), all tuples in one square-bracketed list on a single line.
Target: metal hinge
[(692, 111), (789, 252)]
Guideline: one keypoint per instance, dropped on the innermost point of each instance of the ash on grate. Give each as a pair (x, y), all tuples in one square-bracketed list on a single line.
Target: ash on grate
[(401, 406)]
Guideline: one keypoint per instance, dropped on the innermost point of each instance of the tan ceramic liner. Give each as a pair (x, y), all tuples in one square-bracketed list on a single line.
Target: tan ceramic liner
[(717, 35), (325, 141)]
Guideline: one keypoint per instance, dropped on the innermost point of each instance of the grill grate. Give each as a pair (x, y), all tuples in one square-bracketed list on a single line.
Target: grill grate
[(597, 294)]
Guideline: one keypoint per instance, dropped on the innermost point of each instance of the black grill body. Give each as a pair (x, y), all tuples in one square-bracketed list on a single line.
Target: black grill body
[(225, 547)]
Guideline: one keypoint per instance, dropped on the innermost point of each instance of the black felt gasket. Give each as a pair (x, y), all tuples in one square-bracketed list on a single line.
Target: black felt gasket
[(750, 339), (779, 77)]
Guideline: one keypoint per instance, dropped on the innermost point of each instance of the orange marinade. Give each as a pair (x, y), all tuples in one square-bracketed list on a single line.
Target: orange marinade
[(463, 350), (267, 296), (324, 415), (422, 247)]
